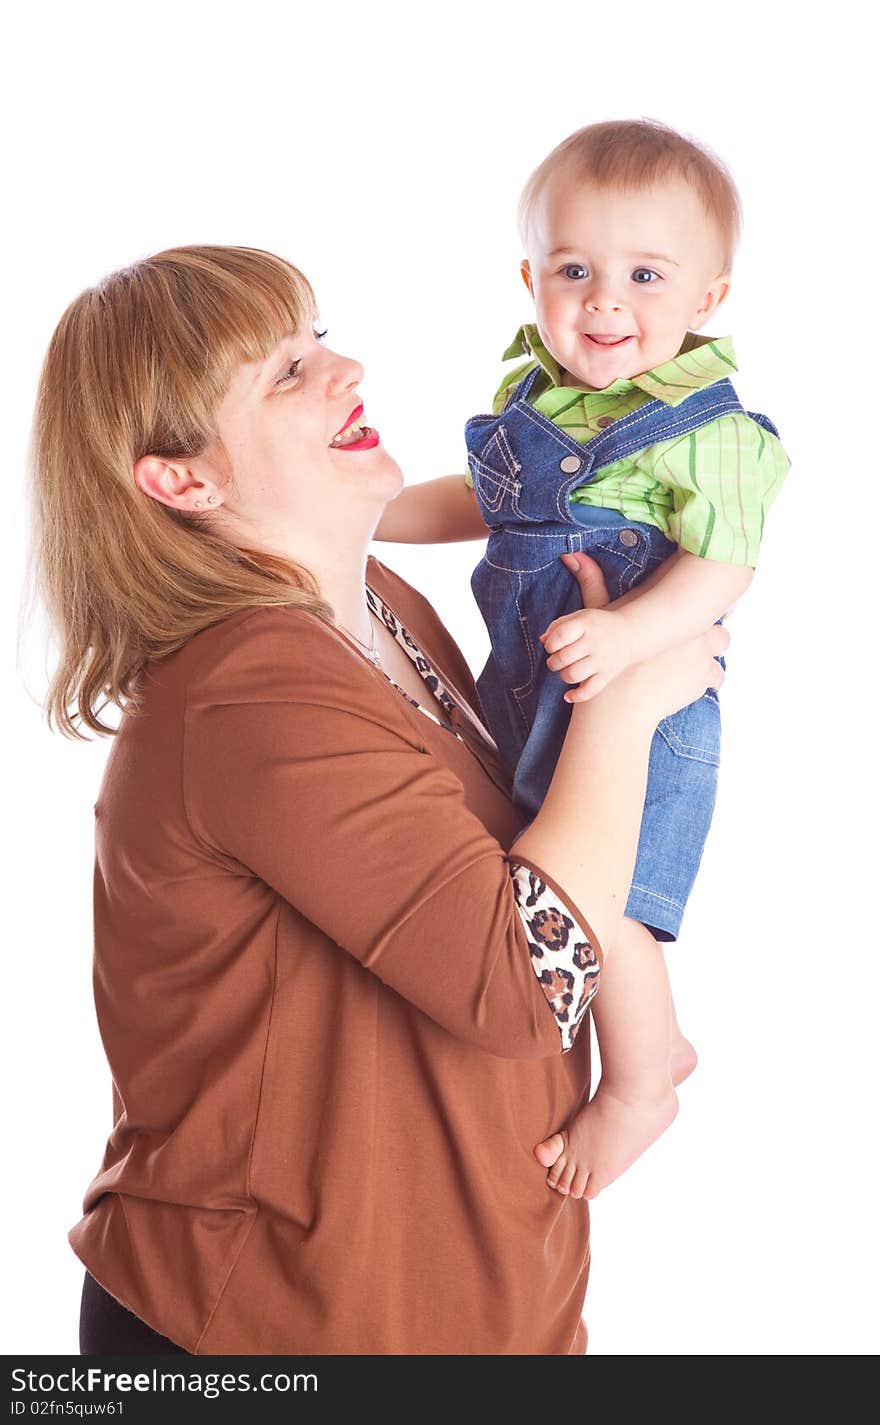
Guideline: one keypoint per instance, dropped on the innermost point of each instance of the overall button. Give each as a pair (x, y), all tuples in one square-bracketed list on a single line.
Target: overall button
[(570, 465), (604, 422), (628, 537)]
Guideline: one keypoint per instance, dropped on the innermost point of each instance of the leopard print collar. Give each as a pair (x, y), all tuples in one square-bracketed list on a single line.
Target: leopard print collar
[(425, 668)]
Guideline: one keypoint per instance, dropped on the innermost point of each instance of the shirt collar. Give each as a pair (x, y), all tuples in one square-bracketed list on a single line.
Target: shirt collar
[(700, 361)]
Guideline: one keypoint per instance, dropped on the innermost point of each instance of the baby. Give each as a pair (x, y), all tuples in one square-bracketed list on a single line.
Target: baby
[(620, 436)]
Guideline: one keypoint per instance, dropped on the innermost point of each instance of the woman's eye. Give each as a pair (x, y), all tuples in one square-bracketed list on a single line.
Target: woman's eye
[(643, 276), (575, 271), (291, 373)]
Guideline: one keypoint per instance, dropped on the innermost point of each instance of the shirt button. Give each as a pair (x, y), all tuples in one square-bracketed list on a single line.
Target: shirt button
[(604, 421), (570, 465), (628, 537)]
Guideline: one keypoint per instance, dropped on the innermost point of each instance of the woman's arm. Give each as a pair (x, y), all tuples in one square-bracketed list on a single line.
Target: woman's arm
[(586, 834), (304, 772), (433, 512), (308, 776)]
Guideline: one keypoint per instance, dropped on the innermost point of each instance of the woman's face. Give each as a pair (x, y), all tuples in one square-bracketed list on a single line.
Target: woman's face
[(299, 472)]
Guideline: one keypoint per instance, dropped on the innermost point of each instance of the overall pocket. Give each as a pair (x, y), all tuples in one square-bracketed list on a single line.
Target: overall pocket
[(495, 472), (694, 732), (626, 552)]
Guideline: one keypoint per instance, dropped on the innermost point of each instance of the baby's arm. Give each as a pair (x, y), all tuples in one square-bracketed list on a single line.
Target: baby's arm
[(692, 594), (433, 512), (592, 646)]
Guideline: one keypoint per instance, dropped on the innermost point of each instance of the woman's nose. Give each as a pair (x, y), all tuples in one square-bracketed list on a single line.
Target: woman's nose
[(345, 373)]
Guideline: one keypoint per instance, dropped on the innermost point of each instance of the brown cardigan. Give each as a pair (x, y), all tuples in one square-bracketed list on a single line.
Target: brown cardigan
[(331, 1053)]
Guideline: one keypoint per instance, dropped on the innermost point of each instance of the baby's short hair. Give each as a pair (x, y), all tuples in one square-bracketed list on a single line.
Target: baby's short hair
[(632, 154)]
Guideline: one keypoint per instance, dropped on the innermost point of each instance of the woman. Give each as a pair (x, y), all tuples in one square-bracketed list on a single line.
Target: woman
[(338, 1010)]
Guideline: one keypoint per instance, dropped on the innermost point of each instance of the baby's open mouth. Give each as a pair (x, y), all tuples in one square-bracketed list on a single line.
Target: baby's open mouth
[(599, 340)]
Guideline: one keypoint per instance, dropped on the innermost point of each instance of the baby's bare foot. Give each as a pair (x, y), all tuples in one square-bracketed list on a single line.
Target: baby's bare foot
[(682, 1059), (604, 1139)]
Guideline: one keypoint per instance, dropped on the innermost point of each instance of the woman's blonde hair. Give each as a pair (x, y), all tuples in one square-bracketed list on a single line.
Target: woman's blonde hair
[(138, 366), (632, 154)]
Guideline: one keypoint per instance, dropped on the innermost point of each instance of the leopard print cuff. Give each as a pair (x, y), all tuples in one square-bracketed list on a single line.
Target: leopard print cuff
[(562, 957)]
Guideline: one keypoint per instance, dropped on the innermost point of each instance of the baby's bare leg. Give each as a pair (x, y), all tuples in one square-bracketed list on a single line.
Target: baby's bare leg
[(635, 1101), (682, 1054)]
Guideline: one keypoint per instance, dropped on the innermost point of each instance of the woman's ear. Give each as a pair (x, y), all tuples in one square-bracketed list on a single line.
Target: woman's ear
[(171, 482), (525, 273)]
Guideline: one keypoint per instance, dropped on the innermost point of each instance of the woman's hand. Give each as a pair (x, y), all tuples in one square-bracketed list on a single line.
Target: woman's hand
[(678, 676), (594, 590)]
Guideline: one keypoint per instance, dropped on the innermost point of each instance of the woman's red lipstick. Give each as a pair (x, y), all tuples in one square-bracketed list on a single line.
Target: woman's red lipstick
[(369, 438), (355, 415)]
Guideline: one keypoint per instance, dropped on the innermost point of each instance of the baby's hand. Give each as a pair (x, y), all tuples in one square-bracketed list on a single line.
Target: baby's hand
[(589, 647)]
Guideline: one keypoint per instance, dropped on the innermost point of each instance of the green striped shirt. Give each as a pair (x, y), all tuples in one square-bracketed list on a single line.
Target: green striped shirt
[(708, 491)]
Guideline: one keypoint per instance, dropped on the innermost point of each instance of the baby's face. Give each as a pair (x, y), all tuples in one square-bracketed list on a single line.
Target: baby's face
[(618, 278)]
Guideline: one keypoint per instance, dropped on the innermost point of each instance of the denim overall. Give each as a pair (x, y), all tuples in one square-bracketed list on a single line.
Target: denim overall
[(524, 469)]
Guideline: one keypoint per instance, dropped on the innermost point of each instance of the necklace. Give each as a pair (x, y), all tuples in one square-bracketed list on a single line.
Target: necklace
[(372, 651)]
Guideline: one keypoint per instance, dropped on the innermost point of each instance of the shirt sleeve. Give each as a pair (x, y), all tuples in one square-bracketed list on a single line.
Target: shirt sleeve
[(304, 769), (724, 477), (563, 955)]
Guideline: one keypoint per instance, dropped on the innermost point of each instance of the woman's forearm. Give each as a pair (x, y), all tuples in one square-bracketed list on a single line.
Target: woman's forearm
[(586, 834)]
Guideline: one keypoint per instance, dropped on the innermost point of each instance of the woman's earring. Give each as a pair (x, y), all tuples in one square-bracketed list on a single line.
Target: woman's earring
[(212, 499), (198, 504)]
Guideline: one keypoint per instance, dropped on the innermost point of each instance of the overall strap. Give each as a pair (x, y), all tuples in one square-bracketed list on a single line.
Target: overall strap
[(656, 421), (763, 421), (521, 391)]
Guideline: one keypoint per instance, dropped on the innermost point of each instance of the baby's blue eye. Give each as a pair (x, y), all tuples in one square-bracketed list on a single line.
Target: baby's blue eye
[(642, 276), (575, 270)]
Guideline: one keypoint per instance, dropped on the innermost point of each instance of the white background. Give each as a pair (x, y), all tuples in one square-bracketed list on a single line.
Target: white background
[(382, 149)]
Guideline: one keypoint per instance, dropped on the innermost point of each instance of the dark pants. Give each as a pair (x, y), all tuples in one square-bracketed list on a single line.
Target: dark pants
[(108, 1329)]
